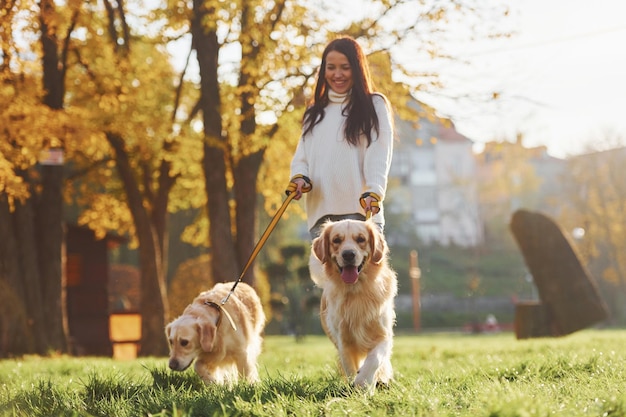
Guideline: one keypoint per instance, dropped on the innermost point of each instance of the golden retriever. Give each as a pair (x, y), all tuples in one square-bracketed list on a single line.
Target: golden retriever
[(225, 340), (358, 289)]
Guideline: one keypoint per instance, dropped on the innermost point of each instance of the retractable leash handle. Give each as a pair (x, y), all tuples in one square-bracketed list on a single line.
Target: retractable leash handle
[(270, 227)]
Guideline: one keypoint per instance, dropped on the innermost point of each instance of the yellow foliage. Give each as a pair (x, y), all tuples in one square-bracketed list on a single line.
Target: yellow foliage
[(197, 233), (11, 185), (611, 276), (191, 278), (105, 213), (596, 195)]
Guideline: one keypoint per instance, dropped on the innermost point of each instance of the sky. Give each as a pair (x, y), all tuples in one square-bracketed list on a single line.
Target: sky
[(561, 78)]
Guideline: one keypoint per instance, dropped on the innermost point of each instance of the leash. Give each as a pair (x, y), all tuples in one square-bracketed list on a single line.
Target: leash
[(270, 227), (220, 309)]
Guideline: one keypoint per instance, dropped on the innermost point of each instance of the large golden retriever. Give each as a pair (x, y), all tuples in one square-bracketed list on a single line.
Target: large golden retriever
[(357, 307), (225, 340)]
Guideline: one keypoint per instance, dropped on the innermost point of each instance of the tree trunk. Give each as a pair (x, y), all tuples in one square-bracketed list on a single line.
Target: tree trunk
[(160, 213), (50, 246), (154, 306), (246, 173), (49, 210), (16, 335), (246, 170), (9, 266), (224, 262), (28, 257)]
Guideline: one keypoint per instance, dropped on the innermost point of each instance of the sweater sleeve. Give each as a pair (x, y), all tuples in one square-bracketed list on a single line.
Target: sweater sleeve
[(378, 154)]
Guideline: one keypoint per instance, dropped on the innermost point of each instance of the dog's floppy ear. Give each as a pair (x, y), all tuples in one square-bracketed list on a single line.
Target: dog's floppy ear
[(378, 245), (168, 331), (321, 244), (206, 333)]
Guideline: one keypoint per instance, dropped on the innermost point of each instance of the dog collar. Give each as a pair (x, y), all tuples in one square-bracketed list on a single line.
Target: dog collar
[(220, 309)]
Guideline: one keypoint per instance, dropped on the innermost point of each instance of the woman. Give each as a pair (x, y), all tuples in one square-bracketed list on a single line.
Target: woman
[(344, 153)]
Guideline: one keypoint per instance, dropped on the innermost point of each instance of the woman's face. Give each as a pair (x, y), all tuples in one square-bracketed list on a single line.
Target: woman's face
[(338, 72)]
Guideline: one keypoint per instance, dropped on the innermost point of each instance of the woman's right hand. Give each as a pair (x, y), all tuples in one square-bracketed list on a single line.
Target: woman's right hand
[(300, 182), (298, 185)]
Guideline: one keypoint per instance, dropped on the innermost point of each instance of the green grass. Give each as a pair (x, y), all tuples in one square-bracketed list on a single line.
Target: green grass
[(436, 375)]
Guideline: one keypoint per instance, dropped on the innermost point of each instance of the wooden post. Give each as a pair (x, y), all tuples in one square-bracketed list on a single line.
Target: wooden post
[(532, 319), (415, 274)]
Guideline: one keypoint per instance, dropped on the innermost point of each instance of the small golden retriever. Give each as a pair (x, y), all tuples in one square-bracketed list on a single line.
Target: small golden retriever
[(225, 340), (358, 290)]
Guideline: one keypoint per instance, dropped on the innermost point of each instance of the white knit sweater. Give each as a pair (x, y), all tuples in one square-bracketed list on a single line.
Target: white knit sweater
[(340, 172)]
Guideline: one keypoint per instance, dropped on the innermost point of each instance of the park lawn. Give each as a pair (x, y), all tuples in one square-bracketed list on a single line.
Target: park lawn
[(437, 374)]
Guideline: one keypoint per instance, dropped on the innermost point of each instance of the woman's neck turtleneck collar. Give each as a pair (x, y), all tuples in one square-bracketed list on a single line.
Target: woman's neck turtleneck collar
[(335, 97)]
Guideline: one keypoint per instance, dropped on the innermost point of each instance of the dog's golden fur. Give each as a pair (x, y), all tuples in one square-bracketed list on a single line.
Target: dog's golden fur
[(357, 316), (221, 352)]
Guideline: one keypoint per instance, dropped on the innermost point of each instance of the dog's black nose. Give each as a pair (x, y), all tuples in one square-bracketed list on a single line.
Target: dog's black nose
[(173, 364), (348, 255)]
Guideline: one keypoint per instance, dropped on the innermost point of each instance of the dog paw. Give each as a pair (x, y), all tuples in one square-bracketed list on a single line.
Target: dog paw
[(371, 384), (364, 387)]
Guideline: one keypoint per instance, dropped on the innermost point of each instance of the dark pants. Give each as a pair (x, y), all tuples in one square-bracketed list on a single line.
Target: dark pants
[(317, 227)]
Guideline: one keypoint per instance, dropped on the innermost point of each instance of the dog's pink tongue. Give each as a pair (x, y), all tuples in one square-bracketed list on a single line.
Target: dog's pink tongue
[(349, 274)]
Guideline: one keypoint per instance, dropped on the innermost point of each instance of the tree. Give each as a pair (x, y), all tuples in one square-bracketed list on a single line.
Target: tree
[(117, 128), (135, 111), (234, 147), (278, 48), (507, 182), (595, 190), (31, 202)]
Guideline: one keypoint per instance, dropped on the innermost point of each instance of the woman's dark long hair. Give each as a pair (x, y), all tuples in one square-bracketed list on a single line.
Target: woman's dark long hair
[(360, 109)]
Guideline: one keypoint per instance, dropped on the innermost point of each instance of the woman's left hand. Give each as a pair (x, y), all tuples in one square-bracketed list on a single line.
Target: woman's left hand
[(370, 207), (370, 203)]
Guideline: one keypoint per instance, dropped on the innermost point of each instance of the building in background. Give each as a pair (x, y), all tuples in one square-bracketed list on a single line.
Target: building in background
[(433, 182)]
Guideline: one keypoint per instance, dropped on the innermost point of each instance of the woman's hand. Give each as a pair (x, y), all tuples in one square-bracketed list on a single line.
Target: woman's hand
[(370, 202), (299, 184), (371, 207)]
